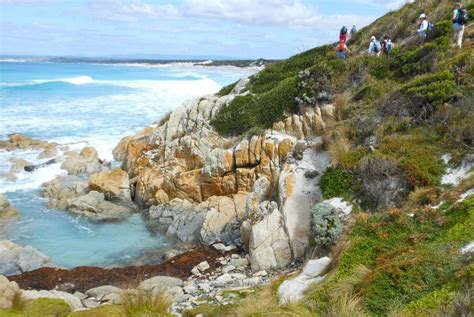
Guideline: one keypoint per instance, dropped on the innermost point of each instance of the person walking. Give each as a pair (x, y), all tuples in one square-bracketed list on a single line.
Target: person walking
[(423, 27), (343, 34), (342, 51), (374, 46), (459, 21)]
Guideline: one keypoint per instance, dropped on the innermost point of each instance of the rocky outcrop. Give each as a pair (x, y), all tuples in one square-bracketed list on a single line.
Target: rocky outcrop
[(6, 209), (21, 142), (292, 290), (299, 192), (269, 245), (94, 206), (15, 259), (8, 291), (114, 184), (62, 189), (179, 219), (85, 162), (225, 180)]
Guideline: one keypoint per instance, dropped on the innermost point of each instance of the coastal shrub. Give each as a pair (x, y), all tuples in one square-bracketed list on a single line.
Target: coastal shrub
[(336, 182), (227, 89), (258, 111), (417, 156), (434, 89), (237, 117), (327, 224), (268, 78), (340, 152)]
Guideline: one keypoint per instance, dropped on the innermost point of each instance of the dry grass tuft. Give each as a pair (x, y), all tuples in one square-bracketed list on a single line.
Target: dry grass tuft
[(340, 103), (18, 302), (422, 196), (145, 303), (339, 151), (345, 306)]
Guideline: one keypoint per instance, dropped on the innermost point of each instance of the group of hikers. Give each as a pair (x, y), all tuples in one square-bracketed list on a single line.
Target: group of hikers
[(460, 18), (384, 47)]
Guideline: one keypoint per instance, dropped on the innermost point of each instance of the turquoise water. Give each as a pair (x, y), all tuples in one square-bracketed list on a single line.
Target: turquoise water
[(87, 104)]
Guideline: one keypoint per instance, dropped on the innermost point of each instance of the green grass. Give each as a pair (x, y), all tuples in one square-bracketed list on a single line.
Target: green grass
[(335, 182)]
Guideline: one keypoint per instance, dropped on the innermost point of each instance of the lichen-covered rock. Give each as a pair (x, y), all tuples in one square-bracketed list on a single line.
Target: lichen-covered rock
[(15, 259), (114, 184), (269, 245), (6, 209), (8, 290)]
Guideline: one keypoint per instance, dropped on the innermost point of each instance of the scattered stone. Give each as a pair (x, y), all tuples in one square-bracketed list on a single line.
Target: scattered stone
[(100, 292), (252, 281), (203, 266), (219, 247), (160, 282), (228, 268), (190, 289), (204, 287), (90, 303), (239, 263)]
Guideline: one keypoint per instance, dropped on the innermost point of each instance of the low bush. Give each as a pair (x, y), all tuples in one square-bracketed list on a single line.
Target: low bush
[(226, 89), (336, 182), (327, 224)]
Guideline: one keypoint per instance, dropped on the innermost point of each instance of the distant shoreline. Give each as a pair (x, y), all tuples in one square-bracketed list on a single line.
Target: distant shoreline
[(146, 62)]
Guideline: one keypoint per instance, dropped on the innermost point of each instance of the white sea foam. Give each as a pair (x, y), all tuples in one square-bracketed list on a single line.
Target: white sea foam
[(79, 80)]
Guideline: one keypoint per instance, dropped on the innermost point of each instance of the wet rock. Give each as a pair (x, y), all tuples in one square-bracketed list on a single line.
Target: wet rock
[(8, 290), (31, 168), (18, 164), (21, 142), (48, 153), (6, 209), (15, 259)]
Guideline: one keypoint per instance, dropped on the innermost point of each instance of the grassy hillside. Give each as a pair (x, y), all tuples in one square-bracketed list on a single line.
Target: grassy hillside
[(397, 116)]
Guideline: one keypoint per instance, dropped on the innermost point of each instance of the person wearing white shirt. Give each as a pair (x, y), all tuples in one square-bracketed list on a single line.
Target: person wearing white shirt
[(423, 26)]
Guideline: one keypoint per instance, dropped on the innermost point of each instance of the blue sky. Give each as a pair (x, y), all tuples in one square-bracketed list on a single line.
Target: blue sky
[(234, 28)]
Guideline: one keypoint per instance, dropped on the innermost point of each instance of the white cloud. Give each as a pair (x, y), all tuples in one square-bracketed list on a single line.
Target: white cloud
[(126, 11), (25, 2)]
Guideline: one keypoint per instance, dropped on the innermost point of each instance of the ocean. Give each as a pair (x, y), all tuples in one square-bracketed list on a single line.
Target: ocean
[(81, 104)]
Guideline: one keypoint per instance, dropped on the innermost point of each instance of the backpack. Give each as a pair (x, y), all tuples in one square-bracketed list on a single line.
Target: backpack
[(344, 30), (377, 47), (462, 17), (430, 26), (388, 47)]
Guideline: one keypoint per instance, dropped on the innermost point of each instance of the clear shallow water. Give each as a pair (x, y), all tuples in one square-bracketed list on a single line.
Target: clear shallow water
[(95, 105)]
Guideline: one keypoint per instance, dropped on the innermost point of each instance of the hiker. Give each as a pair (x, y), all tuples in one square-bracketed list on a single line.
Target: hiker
[(374, 47), (459, 21), (387, 45), (342, 50), (353, 30), (343, 34), (423, 27)]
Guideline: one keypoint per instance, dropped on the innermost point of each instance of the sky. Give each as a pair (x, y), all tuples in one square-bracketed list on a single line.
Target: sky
[(145, 28)]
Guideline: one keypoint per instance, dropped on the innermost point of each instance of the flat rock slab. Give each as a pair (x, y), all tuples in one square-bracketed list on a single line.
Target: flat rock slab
[(86, 277)]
